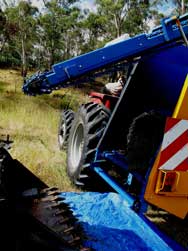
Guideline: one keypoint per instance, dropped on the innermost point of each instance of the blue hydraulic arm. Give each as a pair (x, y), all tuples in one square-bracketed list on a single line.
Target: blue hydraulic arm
[(65, 73)]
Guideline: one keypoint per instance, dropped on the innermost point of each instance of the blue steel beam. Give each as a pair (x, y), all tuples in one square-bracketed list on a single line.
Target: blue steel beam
[(129, 199), (120, 161), (65, 72)]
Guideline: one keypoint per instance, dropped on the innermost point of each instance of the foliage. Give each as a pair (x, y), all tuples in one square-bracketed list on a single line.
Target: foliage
[(38, 39), (180, 6), (177, 7), (20, 33), (58, 31)]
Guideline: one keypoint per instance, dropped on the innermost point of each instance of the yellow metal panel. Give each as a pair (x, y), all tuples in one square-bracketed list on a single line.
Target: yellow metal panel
[(176, 205), (179, 188), (175, 202), (181, 109)]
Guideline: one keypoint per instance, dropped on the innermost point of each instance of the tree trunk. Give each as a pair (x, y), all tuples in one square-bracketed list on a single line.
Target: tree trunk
[(2, 44), (24, 61), (182, 7), (117, 25)]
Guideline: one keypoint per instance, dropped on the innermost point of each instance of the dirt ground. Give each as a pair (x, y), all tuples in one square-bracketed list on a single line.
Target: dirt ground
[(175, 228)]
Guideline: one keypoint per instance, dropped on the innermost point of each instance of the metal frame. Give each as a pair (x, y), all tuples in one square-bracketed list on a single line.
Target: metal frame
[(63, 73), (120, 162)]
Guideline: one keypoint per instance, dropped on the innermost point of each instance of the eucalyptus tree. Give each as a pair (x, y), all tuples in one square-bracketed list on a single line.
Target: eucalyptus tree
[(124, 16), (72, 36), (23, 15), (112, 18), (138, 16), (181, 6), (94, 30), (8, 30), (3, 36), (59, 30)]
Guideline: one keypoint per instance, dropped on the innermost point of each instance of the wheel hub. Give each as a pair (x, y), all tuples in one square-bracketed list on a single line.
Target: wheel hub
[(77, 146)]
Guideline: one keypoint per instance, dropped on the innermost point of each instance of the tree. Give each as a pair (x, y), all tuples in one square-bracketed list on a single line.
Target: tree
[(59, 30), (178, 7), (124, 16), (8, 29), (7, 3), (94, 28), (113, 18), (181, 6), (3, 36), (62, 30), (137, 17), (23, 16), (73, 33)]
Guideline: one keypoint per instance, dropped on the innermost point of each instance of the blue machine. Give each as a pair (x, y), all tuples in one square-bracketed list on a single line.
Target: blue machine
[(62, 74), (159, 66)]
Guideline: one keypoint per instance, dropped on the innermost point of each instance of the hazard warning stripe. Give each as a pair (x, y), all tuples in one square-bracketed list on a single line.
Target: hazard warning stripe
[(174, 149), (182, 166), (175, 132), (176, 159), (170, 122)]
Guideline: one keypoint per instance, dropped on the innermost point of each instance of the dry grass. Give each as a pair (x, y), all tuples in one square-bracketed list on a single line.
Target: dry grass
[(32, 124)]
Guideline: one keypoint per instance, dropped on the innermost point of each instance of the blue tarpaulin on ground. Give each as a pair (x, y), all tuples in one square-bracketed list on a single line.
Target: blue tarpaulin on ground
[(111, 225)]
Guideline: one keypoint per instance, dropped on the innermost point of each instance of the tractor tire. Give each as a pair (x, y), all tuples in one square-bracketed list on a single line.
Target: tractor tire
[(87, 129), (65, 124), (143, 140)]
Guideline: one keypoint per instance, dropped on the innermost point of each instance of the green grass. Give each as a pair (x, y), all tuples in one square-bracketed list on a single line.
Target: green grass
[(32, 124)]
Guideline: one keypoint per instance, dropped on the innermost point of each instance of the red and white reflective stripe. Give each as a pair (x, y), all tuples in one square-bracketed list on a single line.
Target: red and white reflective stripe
[(174, 149)]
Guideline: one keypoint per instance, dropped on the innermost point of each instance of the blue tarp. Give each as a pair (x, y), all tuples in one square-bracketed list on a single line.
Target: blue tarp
[(111, 225)]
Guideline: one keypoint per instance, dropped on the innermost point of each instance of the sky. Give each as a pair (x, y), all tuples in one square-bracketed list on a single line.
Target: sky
[(165, 8), (87, 4)]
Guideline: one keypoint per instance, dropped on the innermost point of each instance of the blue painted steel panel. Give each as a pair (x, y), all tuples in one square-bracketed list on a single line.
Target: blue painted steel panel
[(97, 59), (69, 70), (155, 85), (165, 73)]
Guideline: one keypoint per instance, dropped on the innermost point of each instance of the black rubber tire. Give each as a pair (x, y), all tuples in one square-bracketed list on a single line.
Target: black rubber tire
[(87, 129), (143, 139), (64, 127)]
